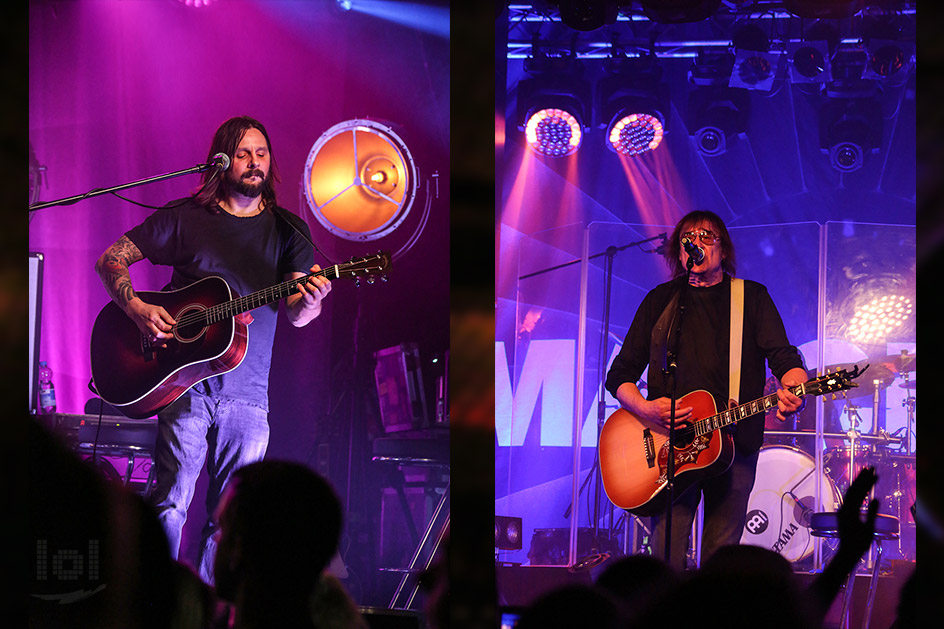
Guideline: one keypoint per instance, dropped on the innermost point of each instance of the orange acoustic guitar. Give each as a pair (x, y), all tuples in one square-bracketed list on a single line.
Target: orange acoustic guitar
[(210, 338), (634, 453)]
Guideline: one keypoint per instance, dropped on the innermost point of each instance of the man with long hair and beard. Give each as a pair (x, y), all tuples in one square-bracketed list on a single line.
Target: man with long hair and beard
[(234, 229)]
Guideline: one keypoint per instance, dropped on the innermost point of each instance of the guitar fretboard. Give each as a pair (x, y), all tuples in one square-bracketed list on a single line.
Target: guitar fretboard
[(736, 414), (229, 309)]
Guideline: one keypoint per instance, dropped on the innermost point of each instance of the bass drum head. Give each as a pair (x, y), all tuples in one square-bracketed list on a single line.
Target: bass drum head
[(782, 501)]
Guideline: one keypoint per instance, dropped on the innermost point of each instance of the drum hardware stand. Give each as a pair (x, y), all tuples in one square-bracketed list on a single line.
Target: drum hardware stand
[(909, 404), (854, 437), (896, 500)]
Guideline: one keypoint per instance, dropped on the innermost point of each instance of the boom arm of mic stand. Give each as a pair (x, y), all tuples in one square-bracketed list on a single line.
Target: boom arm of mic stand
[(99, 191), (596, 255)]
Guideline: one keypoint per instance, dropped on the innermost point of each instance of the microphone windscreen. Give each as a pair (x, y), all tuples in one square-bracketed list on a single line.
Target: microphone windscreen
[(222, 160)]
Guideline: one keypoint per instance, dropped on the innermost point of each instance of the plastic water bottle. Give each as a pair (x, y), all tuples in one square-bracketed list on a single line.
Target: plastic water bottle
[(47, 392)]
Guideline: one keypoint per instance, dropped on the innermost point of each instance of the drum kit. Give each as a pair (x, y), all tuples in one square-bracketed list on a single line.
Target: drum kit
[(783, 497)]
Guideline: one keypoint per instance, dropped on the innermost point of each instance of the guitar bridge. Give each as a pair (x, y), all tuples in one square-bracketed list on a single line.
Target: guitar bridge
[(147, 350), (649, 446)]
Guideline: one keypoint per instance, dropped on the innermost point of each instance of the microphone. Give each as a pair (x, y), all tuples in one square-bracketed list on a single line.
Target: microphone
[(219, 161), (696, 253)]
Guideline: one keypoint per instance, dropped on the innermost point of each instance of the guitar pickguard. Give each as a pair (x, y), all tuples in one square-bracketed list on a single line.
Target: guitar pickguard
[(683, 456)]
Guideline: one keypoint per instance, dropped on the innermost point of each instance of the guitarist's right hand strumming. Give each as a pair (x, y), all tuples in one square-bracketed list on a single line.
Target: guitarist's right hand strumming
[(153, 321), (658, 411)]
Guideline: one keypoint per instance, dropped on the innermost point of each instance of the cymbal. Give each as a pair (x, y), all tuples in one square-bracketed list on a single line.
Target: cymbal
[(898, 362), (907, 385)]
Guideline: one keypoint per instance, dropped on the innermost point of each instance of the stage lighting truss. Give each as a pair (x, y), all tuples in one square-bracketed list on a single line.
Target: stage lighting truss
[(809, 62), (850, 129), (360, 180), (754, 70), (679, 11), (820, 9)]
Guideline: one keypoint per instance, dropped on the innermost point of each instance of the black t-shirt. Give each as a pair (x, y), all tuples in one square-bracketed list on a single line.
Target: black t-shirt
[(704, 350), (250, 253)]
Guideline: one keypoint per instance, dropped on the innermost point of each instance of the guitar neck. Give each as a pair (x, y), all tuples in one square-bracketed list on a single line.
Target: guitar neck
[(736, 414), (265, 296)]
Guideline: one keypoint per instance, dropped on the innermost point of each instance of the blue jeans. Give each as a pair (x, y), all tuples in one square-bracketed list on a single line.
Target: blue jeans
[(197, 427), (726, 497)]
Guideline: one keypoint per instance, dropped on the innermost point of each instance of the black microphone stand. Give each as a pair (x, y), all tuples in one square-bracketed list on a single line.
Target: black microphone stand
[(670, 373), (99, 191)]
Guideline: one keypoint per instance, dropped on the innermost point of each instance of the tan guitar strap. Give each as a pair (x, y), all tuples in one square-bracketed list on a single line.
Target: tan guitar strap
[(737, 330)]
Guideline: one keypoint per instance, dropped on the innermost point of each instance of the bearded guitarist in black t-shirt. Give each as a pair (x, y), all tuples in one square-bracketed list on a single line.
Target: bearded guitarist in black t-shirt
[(234, 230)]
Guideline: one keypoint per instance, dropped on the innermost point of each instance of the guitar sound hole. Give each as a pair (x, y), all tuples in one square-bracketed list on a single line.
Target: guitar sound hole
[(193, 325), (683, 439)]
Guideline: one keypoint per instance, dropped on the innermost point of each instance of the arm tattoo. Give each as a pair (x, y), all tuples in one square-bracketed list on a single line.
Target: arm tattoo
[(112, 267)]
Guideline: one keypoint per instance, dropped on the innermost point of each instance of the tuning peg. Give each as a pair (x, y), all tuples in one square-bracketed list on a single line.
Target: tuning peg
[(383, 278), (357, 281), (370, 280)]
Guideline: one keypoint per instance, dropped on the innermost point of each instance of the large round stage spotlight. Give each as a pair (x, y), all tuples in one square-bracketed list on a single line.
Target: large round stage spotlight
[(553, 132), (634, 133), (360, 180)]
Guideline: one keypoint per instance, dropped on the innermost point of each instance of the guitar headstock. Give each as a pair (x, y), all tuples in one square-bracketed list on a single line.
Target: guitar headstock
[(367, 266), (839, 380)]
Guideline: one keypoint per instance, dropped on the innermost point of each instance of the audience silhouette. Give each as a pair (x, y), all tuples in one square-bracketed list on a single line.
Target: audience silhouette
[(738, 586), (634, 580), (332, 607), (99, 557), (279, 526), (572, 606)]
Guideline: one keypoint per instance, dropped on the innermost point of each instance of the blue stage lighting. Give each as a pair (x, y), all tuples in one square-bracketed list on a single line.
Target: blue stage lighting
[(422, 17)]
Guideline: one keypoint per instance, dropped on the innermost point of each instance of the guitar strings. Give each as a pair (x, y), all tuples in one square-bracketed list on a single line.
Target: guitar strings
[(224, 309), (244, 303)]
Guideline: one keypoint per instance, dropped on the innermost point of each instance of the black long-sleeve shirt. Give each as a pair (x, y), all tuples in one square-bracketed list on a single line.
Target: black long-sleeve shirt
[(704, 350)]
